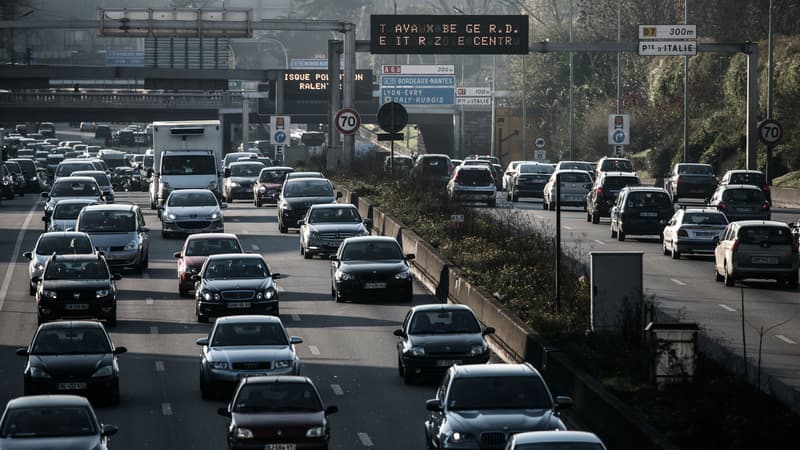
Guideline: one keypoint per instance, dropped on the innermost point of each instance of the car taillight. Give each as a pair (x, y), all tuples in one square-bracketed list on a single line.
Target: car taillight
[(765, 188), (449, 167), (598, 191), (683, 233), (678, 180), (765, 206), (795, 247), (721, 206), (735, 245)]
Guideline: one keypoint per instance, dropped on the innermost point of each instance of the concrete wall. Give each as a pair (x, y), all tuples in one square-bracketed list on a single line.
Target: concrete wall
[(785, 197)]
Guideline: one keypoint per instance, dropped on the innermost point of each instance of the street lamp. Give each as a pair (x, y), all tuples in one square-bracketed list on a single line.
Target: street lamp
[(491, 81), (283, 47)]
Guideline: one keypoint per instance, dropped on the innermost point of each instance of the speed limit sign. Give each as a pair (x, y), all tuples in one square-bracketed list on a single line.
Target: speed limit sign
[(770, 132), (347, 120)]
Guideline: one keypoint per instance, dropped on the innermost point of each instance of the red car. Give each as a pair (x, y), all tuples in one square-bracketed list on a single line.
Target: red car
[(196, 249), (269, 184)]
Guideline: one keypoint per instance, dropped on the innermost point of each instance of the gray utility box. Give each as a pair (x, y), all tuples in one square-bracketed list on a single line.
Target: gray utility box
[(616, 296), (673, 347)]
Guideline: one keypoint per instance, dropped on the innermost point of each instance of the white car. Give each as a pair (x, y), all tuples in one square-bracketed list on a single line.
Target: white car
[(575, 184), (564, 440), (188, 211), (692, 230)]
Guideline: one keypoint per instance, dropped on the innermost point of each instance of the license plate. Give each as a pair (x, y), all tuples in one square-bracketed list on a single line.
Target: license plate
[(447, 362), (765, 260), (76, 306), (259, 374), (71, 386), (280, 447), (648, 214), (238, 304), (706, 234), (374, 285), (743, 210)]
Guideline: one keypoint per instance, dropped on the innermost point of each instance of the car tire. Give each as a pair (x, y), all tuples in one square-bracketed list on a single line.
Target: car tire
[(338, 297), (717, 276), (146, 262), (508, 196), (409, 377), (183, 292), (595, 218), (675, 254), (620, 235), (165, 234), (206, 393), (257, 203), (664, 248), (588, 216), (283, 229), (111, 322), (307, 255), (32, 290), (728, 277), (613, 233), (514, 198), (793, 281), (401, 370)]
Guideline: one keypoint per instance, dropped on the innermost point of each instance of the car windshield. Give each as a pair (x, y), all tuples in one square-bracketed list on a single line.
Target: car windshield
[(534, 168), (273, 176), (559, 446), (100, 177), (443, 322), (694, 169), (705, 219), (434, 166), (59, 245), (575, 177), (284, 397), (761, 235), (71, 188), (371, 250), (76, 270), (206, 247), (753, 178), (179, 198), (743, 195), (99, 221), (617, 183), (498, 392), (68, 211), (649, 200), (188, 165), (257, 333), (246, 170), (49, 421), (58, 341), (308, 188), (616, 165), (65, 170), (336, 215), (226, 268)]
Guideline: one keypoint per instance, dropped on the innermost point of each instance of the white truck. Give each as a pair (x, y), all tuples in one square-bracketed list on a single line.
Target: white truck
[(186, 155)]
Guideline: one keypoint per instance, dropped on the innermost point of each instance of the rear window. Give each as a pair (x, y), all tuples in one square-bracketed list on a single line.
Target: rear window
[(765, 235), (535, 168), (649, 200), (273, 176), (756, 179), (474, 177), (575, 178), (694, 169), (705, 219), (434, 166), (743, 195), (616, 165), (617, 183)]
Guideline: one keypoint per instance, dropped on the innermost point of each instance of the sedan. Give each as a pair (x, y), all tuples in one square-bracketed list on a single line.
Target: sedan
[(59, 243), (196, 250), (244, 346), (240, 177), (373, 267), (277, 413), (235, 284), (434, 337), (192, 211), (53, 421), (268, 187), (692, 230), (552, 440), (72, 358), (70, 187), (325, 227)]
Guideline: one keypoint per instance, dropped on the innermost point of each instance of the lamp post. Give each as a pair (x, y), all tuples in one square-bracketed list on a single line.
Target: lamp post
[(685, 88), (770, 76), (491, 81)]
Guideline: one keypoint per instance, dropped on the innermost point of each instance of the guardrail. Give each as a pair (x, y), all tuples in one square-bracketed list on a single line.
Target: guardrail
[(104, 100)]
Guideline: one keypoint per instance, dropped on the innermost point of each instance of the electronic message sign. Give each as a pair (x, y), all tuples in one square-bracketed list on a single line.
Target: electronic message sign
[(449, 34), (313, 85)]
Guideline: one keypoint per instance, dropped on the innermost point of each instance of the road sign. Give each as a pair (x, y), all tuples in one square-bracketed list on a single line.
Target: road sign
[(770, 132), (474, 101), (125, 58), (392, 117), (418, 80), (618, 129), (434, 87), (419, 96), (279, 130), (308, 63), (347, 120), (539, 155), (473, 92), (234, 85), (667, 31), (539, 142), (667, 48), (419, 69)]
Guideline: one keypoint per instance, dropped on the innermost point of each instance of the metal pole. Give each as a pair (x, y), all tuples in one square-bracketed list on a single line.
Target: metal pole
[(752, 104), (348, 91), (494, 101), (524, 116), (558, 243), (245, 123), (685, 89), (770, 76), (619, 55), (571, 82)]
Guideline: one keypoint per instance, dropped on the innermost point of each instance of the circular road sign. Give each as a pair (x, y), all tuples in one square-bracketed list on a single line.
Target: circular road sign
[(770, 132), (279, 137), (347, 120), (392, 117), (618, 137), (539, 142)]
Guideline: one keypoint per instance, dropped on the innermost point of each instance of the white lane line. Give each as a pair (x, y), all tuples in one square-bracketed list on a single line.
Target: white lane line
[(17, 247), (785, 339), (245, 231), (365, 440), (236, 219), (313, 349), (154, 330), (600, 242), (539, 217), (337, 389), (166, 409), (678, 282), (148, 301), (567, 227), (726, 308), (159, 366), (296, 317), (255, 247)]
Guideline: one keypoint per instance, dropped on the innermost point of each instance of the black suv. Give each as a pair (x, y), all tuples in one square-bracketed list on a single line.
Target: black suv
[(611, 164), (640, 210), (481, 406), (297, 195), (77, 286), (604, 193)]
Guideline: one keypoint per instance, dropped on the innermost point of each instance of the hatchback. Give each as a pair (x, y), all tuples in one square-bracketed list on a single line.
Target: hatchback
[(693, 230), (119, 231), (189, 211), (529, 180), (741, 202), (607, 186), (574, 185), (640, 210), (473, 183), (750, 177), (757, 249), (432, 168)]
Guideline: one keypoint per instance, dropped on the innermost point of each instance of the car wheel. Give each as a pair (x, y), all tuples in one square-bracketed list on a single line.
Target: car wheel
[(717, 276), (164, 234), (206, 393), (183, 292), (338, 297), (613, 233), (283, 229), (409, 377), (595, 218), (508, 196), (514, 198), (111, 322), (146, 262), (664, 247), (307, 255), (200, 318), (588, 216), (620, 235), (793, 281), (401, 370), (675, 254), (257, 203), (728, 277), (32, 290)]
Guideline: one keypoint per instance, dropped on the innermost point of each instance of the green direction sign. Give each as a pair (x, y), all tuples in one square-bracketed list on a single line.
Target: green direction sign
[(234, 85)]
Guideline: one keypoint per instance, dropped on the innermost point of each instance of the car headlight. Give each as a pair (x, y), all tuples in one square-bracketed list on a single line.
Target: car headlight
[(268, 294), (417, 350), (315, 432), (404, 275), (38, 266), (132, 245), (172, 216), (212, 186), (243, 433), (105, 371), (286, 206), (211, 296), (36, 372), (458, 437), (262, 189), (344, 276), (478, 349), (234, 184), (190, 270), (222, 365), (314, 235), (50, 294), (34, 179), (215, 215), (102, 293), (281, 364)]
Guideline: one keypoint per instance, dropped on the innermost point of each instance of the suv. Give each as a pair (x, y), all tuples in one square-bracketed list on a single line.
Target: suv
[(473, 183), (610, 164), (691, 180), (640, 210), (604, 193), (481, 406), (750, 177), (297, 195), (432, 168), (119, 232), (757, 249)]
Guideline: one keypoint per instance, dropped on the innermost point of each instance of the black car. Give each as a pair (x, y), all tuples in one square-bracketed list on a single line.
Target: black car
[(434, 337), (32, 175), (691, 180), (20, 184), (233, 284), (371, 267), (481, 406), (297, 195), (53, 422), (7, 189), (640, 210), (529, 181), (604, 193), (74, 357), (77, 286)]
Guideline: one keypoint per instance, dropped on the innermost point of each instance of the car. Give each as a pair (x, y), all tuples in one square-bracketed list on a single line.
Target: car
[(297, 195), (575, 185), (59, 243), (51, 161), (237, 156), (551, 440), (124, 137), (432, 168), (67, 166), (120, 232), (235, 283), (92, 150), (7, 188), (401, 164), (473, 183), (277, 412), (103, 131), (528, 180), (761, 249), (613, 164), (434, 337), (372, 267), (741, 202), (691, 180), (32, 175), (239, 179), (53, 422), (325, 226), (692, 231), (77, 286), (640, 210), (482, 405), (102, 180), (196, 249), (577, 165), (18, 178), (47, 129), (244, 346), (188, 211), (88, 126), (268, 187), (70, 187), (750, 177), (65, 213), (72, 357), (603, 194)]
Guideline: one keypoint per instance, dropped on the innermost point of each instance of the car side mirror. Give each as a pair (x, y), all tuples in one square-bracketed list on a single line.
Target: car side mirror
[(109, 430), (177, 255), (434, 405), (488, 330), (563, 402), (295, 340), (116, 276), (144, 229), (196, 277), (22, 352), (223, 412), (338, 194), (29, 255), (226, 173), (276, 276), (367, 223), (301, 222), (223, 206), (120, 350), (331, 410), (409, 256), (333, 258), (201, 341), (400, 333), (45, 194)]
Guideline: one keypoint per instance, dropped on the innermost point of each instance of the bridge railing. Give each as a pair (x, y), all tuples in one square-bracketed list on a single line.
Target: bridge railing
[(38, 99)]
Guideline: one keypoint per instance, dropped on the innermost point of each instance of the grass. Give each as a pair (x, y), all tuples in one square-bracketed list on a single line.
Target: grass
[(789, 180)]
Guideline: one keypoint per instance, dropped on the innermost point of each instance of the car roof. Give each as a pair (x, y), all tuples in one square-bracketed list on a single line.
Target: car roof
[(332, 206), (532, 437), (71, 324), (307, 174), (64, 234), (42, 401), (769, 223), (572, 171), (76, 257), (210, 236), (249, 318), (236, 255), (371, 239), (190, 191), (87, 173), (293, 180), (263, 379), (744, 171), (79, 200), (482, 370), (474, 167), (244, 162), (72, 179), (111, 207), (727, 187), (278, 168), (645, 189), (703, 210), (441, 307)]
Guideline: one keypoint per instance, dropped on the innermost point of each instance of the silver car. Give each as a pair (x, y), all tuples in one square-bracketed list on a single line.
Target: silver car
[(102, 180), (692, 230), (242, 346), (575, 184), (473, 183), (741, 202), (70, 187), (60, 243), (325, 227), (119, 231), (65, 214), (240, 177), (762, 249), (189, 211)]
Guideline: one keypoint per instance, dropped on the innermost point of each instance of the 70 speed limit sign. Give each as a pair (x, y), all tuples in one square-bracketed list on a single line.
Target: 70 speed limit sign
[(347, 120), (770, 132)]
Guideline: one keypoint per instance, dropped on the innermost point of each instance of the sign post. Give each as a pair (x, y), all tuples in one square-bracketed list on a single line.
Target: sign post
[(279, 134), (667, 40), (618, 131), (392, 117), (770, 132)]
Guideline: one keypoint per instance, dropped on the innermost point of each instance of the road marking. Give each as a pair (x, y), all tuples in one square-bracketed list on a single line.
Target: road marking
[(245, 232), (539, 217), (153, 330), (236, 219), (785, 339), (254, 247), (678, 282), (314, 350), (726, 308), (296, 317), (159, 366), (166, 409), (148, 301), (14, 255), (600, 242), (337, 389), (566, 227), (146, 275), (365, 440)]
